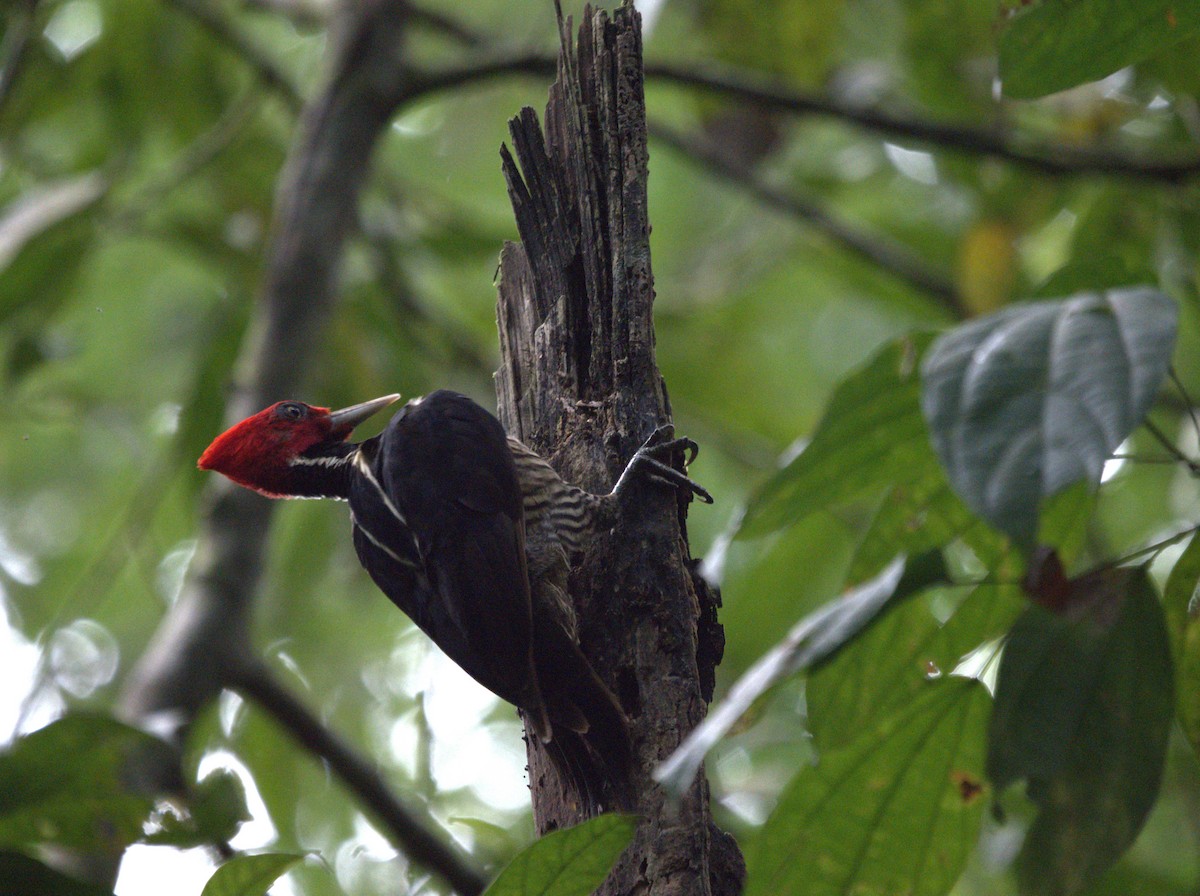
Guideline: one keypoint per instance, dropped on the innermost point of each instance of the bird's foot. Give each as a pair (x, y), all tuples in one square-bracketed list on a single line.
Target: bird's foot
[(652, 460)]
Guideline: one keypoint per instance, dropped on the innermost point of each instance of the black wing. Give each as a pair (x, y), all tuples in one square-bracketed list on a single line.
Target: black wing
[(438, 525)]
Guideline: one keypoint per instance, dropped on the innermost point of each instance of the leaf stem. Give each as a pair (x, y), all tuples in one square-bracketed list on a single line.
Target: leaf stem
[(1171, 447), (1157, 547), (1187, 399)]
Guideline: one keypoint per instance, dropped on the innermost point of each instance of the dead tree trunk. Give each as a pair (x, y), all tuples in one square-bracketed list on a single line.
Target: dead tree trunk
[(578, 383)]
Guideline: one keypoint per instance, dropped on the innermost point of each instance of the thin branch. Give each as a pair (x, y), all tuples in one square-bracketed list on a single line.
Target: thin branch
[(310, 14), (412, 832), (447, 25), (1157, 548), (438, 333), (1163, 439), (885, 253), (14, 45), (1187, 400), (264, 65), (1145, 459), (313, 14), (1048, 157), (496, 66), (194, 157)]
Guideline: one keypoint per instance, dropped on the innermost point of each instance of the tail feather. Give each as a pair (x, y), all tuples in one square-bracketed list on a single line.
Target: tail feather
[(590, 740), (600, 787)]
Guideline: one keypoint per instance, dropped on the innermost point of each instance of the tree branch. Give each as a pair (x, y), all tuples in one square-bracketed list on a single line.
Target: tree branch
[(887, 254), (1044, 156), (491, 66), (205, 635), (447, 25), (1048, 157), (412, 832), (14, 45)]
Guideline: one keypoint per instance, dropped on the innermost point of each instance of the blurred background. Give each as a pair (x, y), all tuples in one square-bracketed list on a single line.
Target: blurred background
[(140, 147)]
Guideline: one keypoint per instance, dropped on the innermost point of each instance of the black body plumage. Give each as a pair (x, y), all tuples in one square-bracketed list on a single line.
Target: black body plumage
[(439, 523)]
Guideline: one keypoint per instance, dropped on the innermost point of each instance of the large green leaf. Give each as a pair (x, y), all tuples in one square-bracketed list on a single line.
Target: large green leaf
[(74, 783), (922, 513), (871, 435), (1083, 711), (249, 875), (1181, 602), (1023, 403), (1056, 44), (22, 876), (897, 811), (813, 640), (890, 665), (570, 862)]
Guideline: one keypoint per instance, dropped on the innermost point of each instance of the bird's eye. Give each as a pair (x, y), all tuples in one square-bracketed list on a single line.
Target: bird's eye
[(291, 410)]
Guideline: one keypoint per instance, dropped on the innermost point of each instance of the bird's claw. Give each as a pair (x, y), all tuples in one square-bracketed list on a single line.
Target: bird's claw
[(662, 442), (652, 461)]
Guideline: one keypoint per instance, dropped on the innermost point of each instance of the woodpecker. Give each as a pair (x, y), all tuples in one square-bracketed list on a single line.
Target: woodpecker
[(470, 533)]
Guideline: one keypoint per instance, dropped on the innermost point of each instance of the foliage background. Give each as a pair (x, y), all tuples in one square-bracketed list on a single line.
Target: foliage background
[(139, 150)]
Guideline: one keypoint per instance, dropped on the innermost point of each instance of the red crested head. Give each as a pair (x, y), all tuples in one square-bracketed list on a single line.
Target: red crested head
[(263, 451)]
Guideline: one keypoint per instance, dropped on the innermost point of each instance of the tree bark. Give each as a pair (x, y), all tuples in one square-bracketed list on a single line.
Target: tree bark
[(579, 383)]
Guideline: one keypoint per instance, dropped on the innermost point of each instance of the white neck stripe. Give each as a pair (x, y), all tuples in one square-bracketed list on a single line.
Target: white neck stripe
[(363, 467), (379, 544), (325, 460)]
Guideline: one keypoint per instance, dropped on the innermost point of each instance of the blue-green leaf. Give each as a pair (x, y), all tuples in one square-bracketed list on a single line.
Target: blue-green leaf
[(1023, 403)]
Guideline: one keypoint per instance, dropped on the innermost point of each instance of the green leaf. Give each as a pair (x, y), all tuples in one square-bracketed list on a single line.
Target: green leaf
[(813, 640), (249, 875), (74, 783), (871, 435), (1083, 712), (216, 808), (920, 514), (1023, 403), (1056, 44), (897, 811), (890, 665), (22, 876), (570, 862), (1181, 603), (1064, 517)]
